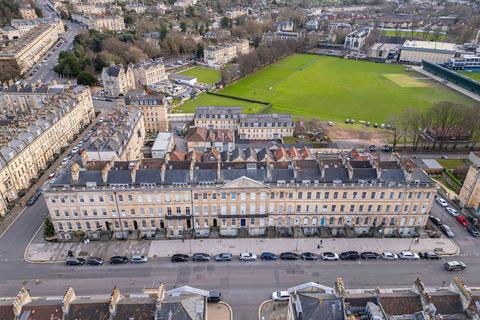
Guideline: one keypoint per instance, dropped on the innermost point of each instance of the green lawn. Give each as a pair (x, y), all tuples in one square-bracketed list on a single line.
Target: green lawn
[(472, 75), (204, 75), (334, 89), (426, 36), (453, 163), (211, 100)]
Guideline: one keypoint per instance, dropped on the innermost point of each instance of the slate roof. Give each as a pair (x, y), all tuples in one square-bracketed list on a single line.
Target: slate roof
[(319, 307), (88, 311), (397, 304), (447, 302), (185, 307)]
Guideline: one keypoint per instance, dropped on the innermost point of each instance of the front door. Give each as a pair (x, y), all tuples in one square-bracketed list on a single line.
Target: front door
[(189, 224), (135, 225), (242, 222), (214, 222)]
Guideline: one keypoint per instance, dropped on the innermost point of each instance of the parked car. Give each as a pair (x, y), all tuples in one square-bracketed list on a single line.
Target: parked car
[(447, 230), (289, 256), (214, 296), (223, 257), (51, 175), (369, 255), (454, 265), (387, 255), (139, 259), (268, 256), (430, 256), (386, 147), (200, 257), (330, 123), (408, 255), (442, 202), (435, 220), (329, 256), (452, 212), (462, 220), (309, 256), (94, 261), (75, 150), (350, 255), (248, 256), (280, 295), (33, 198), (73, 261), (372, 148), (65, 161), (118, 260), (473, 231), (179, 258)]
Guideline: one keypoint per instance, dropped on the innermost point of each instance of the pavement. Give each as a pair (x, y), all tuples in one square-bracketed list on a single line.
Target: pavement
[(273, 310), (244, 285), (42, 251)]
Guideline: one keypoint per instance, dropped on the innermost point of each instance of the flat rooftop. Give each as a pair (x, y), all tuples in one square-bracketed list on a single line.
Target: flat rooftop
[(429, 45)]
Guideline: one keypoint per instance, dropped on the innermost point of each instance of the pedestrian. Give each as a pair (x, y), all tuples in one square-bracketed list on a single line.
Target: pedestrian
[(318, 247), (321, 242)]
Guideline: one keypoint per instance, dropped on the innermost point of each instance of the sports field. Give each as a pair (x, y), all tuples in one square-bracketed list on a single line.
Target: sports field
[(472, 75), (416, 35), (211, 100), (334, 89), (203, 75)]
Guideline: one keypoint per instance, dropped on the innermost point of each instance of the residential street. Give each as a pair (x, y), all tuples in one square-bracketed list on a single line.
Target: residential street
[(244, 285)]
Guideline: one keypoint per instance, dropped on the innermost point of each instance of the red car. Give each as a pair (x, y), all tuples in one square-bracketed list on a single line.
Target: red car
[(462, 220)]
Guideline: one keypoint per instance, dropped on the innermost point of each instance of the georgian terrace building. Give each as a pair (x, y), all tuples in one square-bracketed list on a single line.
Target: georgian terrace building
[(270, 190), (36, 121)]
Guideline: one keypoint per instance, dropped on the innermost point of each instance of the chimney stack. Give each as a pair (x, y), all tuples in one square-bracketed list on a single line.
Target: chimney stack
[(114, 299), (105, 171), (23, 298), (68, 298), (192, 168), (163, 168), (84, 157), (133, 173), (75, 169)]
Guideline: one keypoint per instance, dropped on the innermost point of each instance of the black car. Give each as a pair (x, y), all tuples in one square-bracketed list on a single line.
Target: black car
[(179, 258), (72, 261), (350, 255), (289, 256), (94, 261), (309, 256), (472, 230), (369, 255), (214, 296), (429, 256), (118, 260), (200, 257), (436, 221), (268, 256), (33, 198)]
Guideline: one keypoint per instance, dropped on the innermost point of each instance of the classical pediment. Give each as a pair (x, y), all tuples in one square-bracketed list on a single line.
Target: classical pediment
[(243, 183)]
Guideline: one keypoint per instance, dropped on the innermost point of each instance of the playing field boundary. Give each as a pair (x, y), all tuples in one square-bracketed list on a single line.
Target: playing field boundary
[(239, 98)]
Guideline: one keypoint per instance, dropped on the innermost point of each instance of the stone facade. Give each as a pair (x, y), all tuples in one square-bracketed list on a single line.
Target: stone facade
[(36, 123), (281, 189), (153, 109), (470, 192), (216, 56), (119, 137), (23, 52)]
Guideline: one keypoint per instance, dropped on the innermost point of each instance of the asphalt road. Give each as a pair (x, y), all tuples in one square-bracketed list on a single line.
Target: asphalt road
[(244, 285)]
